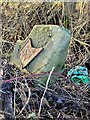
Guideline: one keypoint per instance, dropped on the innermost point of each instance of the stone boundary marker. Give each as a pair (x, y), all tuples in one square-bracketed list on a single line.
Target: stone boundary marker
[(53, 39)]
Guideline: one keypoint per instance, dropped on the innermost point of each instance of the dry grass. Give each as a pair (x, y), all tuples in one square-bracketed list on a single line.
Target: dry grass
[(17, 21)]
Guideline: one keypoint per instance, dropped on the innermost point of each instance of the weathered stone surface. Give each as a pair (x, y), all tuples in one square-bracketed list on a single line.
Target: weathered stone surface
[(55, 40)]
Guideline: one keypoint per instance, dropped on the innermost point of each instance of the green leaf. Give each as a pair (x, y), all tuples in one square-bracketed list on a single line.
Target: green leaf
[(32, 116)]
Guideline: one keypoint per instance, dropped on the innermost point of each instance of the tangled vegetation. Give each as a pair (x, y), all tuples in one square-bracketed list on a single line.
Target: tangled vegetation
[(63, 100)]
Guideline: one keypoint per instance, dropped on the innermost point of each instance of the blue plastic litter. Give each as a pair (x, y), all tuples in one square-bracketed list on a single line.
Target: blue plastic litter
[(79, 74)]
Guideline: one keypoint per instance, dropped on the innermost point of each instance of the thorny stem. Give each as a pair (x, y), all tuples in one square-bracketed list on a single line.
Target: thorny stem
[(33, 75)]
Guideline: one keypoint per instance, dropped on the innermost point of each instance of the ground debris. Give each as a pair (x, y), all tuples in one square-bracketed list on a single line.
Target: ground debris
[(63, 98)]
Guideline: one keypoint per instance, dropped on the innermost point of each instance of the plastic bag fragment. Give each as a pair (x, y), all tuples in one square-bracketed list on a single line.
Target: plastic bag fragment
[(79, 74)]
